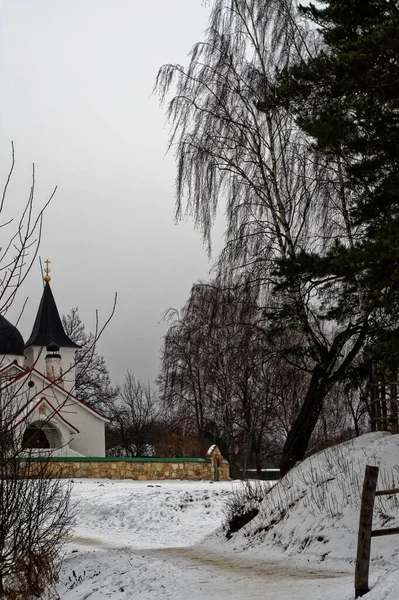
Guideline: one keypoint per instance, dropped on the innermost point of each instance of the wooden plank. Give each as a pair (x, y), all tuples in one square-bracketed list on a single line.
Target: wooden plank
[(380, 532), (364, 535), (387, 492)]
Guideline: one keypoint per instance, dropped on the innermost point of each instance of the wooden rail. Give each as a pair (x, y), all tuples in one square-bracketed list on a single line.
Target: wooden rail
[(366, 532), (387, 492), (380, 532)]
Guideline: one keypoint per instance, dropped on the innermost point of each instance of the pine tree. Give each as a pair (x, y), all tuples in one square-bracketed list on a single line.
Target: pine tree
[(346, 97)]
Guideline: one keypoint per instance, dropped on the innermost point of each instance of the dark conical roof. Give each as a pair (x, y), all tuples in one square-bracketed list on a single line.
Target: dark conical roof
[(48, 328), (11, 341)]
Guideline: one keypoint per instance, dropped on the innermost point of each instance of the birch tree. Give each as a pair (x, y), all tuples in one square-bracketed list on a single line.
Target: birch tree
[(283, 201)]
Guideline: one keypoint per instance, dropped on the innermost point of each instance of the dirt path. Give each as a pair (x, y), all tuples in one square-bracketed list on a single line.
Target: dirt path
[(194, 573), (244, 566), (92, 542)]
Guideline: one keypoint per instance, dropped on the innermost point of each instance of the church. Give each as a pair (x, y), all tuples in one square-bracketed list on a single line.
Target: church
[(37, 385)]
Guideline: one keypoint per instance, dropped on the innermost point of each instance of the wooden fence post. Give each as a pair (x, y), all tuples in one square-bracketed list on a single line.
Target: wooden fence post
[(364, 536)]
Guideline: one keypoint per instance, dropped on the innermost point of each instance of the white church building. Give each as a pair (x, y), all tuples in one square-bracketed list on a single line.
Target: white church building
[(37, 385)]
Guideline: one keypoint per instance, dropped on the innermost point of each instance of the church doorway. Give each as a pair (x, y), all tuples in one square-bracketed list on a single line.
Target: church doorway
[(41, 435)]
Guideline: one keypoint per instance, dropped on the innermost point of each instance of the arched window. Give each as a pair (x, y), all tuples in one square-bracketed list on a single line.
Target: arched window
[(35, 438), (41, 435)]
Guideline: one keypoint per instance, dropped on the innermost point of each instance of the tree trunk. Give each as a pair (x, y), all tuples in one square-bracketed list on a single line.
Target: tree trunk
[(300, 433), (257, 455)]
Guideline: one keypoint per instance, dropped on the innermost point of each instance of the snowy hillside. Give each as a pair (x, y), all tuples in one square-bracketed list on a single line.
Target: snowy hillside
[(152, 540), (312, 515), (313, 512)]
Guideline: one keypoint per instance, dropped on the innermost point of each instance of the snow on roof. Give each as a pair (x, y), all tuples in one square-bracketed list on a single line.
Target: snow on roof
[(214, 449), (211, 450)]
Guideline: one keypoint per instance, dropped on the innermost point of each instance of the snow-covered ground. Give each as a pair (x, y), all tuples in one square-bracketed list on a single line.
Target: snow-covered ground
[(152, 540), (147, 514)]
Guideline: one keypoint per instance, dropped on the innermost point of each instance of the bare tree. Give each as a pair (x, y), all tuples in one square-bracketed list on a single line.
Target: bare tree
[(223, 380), (283, 201), (21, 235), (134, 419), (93, 384)]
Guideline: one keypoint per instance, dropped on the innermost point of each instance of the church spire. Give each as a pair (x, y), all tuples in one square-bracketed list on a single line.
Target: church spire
[(48, 329)]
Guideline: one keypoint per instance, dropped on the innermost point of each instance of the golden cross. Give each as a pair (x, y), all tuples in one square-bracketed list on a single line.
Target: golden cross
[(47, 270)]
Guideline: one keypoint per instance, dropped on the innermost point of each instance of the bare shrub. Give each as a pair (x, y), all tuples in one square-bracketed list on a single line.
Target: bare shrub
[(243, 505), (35, 509)]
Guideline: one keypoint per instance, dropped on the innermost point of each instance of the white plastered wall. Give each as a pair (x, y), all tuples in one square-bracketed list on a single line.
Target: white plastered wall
[(90, 441)]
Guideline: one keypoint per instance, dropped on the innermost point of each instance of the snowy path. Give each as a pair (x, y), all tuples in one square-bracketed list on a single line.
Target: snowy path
[(216, 562), (240, 566), (196, 573), (140, 542), (102, 570)]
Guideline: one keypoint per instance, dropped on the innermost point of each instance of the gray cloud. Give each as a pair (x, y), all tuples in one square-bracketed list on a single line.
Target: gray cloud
[(77, 77)]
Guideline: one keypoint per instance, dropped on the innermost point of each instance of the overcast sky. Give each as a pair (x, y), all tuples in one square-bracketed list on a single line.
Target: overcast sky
[(76, 85)]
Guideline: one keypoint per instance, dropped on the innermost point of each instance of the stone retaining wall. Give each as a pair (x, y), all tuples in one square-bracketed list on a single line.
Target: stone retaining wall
[(136, 468)]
